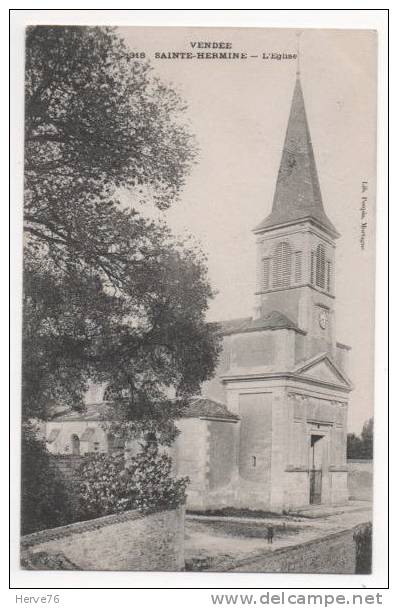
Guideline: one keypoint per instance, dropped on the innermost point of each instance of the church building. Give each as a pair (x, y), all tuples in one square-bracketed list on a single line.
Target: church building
[(269, 431), (282, 371)]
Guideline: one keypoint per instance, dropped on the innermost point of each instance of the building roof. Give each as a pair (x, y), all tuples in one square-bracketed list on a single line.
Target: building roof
[(297, 193), (198, 407), (271, 321), (202, 407), (91, 412)]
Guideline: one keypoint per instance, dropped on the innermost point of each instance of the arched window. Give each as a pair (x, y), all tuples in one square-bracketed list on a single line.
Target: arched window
[(282, 265), (75, 445), (320, 271)]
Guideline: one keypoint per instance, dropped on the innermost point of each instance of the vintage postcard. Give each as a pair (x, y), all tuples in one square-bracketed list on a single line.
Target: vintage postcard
[(198, 299)]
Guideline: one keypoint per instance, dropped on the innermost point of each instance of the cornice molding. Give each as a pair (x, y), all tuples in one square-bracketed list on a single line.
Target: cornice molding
[(247, 377)]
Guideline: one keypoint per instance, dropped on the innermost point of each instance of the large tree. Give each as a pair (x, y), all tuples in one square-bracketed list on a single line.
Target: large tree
[(108, 293), (96, 118)]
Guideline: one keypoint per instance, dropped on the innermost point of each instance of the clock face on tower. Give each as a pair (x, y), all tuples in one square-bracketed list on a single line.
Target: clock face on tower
[(323, 319)]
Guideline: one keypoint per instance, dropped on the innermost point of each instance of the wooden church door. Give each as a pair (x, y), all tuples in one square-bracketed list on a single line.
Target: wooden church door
[(316, 450)]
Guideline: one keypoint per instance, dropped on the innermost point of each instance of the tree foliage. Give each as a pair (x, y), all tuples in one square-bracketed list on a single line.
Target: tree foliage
[(361, 447), (109, 294), (45, 494), (96, 118)]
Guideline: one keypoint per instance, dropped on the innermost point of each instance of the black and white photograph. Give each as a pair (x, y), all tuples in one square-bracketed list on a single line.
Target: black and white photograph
[(199, 223)]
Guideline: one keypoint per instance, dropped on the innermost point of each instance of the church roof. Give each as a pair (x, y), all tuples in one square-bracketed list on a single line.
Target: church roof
[(297, 193), (198, 407), (273, 320), (91, 412), (202, 407)]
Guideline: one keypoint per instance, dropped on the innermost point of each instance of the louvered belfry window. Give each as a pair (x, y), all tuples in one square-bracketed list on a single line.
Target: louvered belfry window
[(320, 266), (312, 267), (265, 279), (282, 265), (297, 268), (329, 276)]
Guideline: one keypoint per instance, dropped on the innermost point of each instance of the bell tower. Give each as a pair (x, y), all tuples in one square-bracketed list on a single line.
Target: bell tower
[(296, 241), (282, 373)]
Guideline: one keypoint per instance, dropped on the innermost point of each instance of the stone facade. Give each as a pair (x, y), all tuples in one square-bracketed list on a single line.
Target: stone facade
[(282, 371), (206, 452), (76, 437)]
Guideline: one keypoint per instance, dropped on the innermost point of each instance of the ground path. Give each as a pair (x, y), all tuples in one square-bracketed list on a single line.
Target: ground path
[(216, 542)]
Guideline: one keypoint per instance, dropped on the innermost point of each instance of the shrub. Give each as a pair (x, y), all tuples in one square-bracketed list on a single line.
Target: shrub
[(110, 485)]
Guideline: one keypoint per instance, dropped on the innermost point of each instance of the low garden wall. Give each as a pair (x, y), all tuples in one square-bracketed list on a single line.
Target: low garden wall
[(68, 465), (332, 554), (360, 479), (125, 541)]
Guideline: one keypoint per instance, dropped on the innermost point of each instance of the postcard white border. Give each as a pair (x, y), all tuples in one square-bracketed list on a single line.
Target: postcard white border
[(363, 19)]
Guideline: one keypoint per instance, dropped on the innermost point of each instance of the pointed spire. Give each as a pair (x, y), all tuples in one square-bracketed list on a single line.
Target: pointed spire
[(297, 193)]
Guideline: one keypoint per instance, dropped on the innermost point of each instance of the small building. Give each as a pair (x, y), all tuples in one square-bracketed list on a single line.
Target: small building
[(79, 432), (205, 449)]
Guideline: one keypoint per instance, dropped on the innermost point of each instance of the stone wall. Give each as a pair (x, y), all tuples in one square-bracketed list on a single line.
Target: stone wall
[(360, 479), (68, 466), (253, 350), (333, 554), (190, 453), (255, 445), (126, 541), (222, 453), (205, 451)]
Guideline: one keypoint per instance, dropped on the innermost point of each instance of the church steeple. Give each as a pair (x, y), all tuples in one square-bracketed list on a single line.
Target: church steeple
[(297, 194), (296, 242)]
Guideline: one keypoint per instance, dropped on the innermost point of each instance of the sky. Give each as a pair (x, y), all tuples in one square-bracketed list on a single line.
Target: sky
[(238, 111)]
